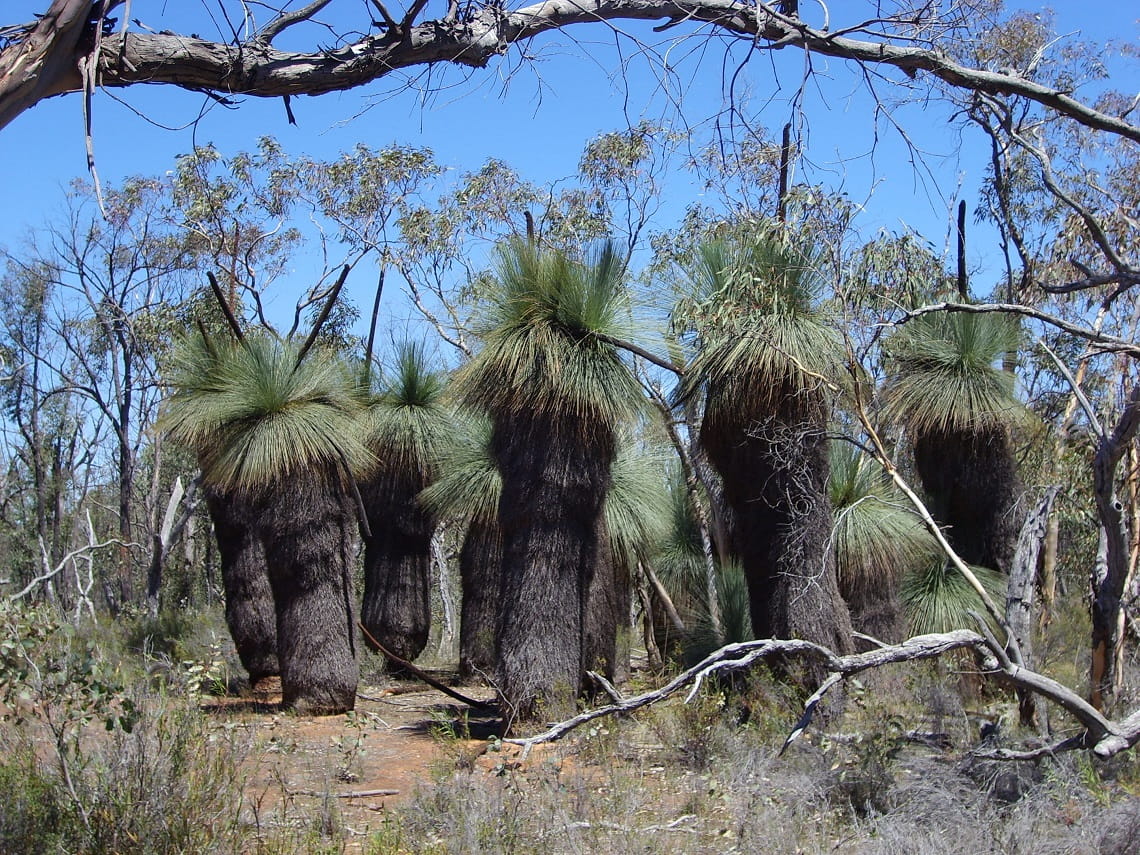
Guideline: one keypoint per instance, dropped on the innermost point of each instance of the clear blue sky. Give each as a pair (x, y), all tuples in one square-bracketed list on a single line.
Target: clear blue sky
[(538, 120)]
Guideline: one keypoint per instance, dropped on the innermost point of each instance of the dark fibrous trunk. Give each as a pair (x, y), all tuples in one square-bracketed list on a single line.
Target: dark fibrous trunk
[(480, 565), (607, 616), (555, 476), (971, 484), (250, 614), (396, 608), (875, 605), (775, 478), (307, 527)]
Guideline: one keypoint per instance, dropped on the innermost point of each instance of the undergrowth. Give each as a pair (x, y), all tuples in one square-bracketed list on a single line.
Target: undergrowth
[(102, 754)]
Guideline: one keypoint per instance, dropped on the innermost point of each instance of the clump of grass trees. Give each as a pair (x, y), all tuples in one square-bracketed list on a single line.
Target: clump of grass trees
[(277, 425)]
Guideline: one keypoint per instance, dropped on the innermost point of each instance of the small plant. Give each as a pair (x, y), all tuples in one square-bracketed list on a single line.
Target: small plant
[(350, 745)]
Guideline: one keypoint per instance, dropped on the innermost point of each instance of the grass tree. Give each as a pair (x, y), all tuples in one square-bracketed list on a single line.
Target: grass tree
[(767, 356), (680, 560), (250, 615), (407, 427), (468, 490), (636, 515), (946, 385), (556, 393), (276, 425), (878, 540)]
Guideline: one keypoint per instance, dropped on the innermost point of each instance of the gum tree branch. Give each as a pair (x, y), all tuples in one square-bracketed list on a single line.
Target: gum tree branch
[(44, 63), (1103, 735)]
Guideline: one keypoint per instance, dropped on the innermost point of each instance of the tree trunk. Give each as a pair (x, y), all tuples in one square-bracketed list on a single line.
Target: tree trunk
[(480, 565), (607, 616), (972, 487), (307, 528), (555, 472), (1020, 594), (45, 63), (1111, 573), (775, 472), (397, 564), (250, 614)]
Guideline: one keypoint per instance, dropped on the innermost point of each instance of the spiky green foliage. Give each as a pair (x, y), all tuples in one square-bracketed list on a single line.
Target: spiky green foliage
[(755, 311), (637, 507), (408, 425), (877, 537), (938, 598), (541, 351), (944, 374), (254, 416), (469, 483), (736, 619), (679, 555)]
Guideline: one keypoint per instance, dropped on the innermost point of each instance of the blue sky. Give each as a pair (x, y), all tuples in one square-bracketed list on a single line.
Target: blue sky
[(535, 115)]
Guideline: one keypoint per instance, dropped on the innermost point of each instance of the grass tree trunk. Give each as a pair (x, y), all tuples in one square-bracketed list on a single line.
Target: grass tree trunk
[(250, 613), (480, 566), (775, 479), (607, 616), (971, 483), (307, 528), (555, 476), (396, 608)]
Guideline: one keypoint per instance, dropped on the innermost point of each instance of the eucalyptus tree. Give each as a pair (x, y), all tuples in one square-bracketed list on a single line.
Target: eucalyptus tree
[(109, 283), (557, 394), (766, 364), (278, 425), (946, 385), (407, 426)]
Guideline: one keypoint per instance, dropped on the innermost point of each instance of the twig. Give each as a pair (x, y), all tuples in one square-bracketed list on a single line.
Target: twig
[(431, 681)]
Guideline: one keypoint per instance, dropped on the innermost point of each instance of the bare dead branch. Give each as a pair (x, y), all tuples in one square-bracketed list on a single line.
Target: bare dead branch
[(427, 678), (326, 310), (659, 361), (52, 572), (1106, 737), (44, 63), (287, 19)]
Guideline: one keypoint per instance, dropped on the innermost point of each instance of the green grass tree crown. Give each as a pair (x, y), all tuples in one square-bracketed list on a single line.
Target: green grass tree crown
[(408, 424), (877, 537), (944, 373), (469, 483), (544, 336), (256, 416), (755, 314)]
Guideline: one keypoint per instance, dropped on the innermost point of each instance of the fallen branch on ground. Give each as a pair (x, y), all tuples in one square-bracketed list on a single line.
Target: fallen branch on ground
[(427, 678), (1105, 737)]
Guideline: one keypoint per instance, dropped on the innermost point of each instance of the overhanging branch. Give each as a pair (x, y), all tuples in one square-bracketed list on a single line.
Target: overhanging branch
[(255, 68)]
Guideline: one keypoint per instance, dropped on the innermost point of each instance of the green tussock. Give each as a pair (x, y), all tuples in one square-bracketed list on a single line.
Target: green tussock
[(254, 416), (763, 337), (877, 535), (944, 374), (937, 598), (637, 504), (469, 483), (679, 558), (735, 614), (408, 426), (541, 351)]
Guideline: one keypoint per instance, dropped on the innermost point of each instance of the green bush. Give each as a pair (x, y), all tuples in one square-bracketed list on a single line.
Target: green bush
[(34, 815)]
